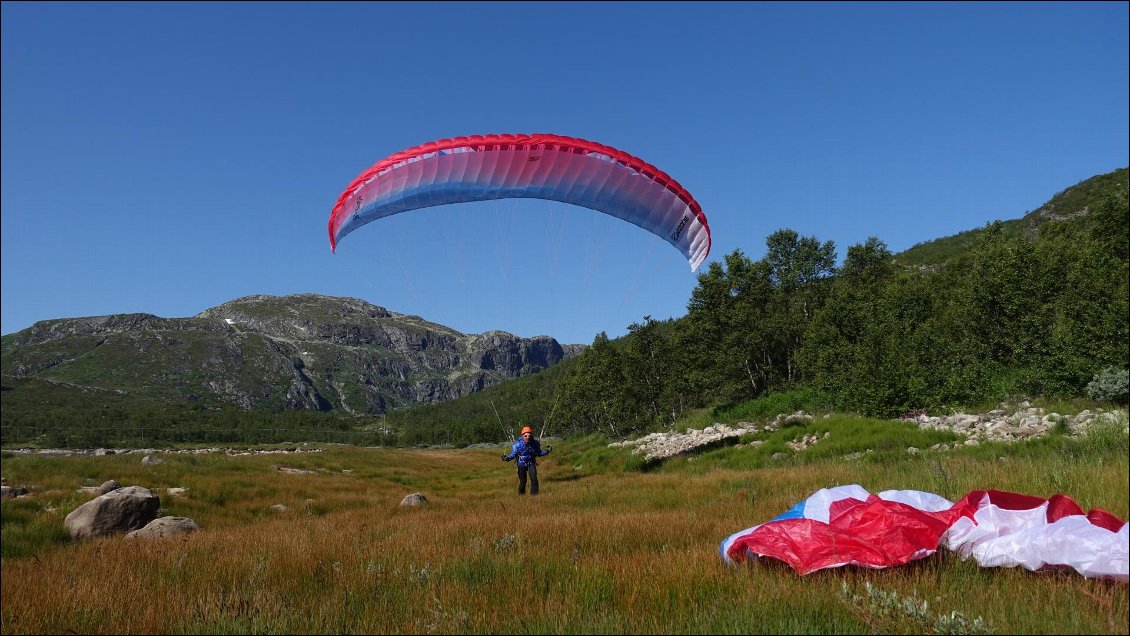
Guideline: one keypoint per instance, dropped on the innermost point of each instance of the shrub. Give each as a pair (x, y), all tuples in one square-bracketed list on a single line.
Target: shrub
[(1110, 385)]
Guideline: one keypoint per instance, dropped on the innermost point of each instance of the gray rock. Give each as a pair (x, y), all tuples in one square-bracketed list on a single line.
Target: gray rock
[(121, 510), (164, 527), (414, 499)]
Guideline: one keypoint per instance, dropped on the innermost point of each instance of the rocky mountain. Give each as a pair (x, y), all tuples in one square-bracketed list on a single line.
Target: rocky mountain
[(276, 352)]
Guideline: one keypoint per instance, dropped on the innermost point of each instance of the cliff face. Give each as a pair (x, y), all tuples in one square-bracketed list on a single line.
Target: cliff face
[(291, 352)]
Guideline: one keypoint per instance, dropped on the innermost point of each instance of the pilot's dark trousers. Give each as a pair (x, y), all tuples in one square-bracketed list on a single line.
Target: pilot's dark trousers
[(532, 471)]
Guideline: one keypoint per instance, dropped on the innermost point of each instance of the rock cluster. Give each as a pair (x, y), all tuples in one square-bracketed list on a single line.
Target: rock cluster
[(120, 510), (132, 510), (1025, 422), (1003, 424), (149, 452), (659, 446)]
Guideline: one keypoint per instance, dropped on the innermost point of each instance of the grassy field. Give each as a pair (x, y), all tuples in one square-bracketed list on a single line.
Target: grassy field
[(603, 549)]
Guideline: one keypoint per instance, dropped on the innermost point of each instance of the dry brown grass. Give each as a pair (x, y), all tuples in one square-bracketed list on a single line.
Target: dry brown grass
[(606, 553)]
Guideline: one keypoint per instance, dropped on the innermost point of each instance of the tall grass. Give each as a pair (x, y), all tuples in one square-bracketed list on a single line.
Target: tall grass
[(603, 549)]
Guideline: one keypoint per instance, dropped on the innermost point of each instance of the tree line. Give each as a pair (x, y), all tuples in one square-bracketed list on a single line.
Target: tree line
[(1013, 315), (163, 425)]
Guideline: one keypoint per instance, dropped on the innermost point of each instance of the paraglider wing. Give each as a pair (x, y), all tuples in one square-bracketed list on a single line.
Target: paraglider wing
[(552, 167), (846, 525)]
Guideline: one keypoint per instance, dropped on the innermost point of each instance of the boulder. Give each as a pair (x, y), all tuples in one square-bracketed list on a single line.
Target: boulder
[(164, 527), (11, 492), (414, 499), (121, 510)]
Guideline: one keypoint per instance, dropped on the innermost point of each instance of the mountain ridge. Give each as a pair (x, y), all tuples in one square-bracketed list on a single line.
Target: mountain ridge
[(300, 351)]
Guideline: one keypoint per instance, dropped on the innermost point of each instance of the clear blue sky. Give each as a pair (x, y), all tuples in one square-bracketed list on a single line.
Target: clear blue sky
[(169, 157)]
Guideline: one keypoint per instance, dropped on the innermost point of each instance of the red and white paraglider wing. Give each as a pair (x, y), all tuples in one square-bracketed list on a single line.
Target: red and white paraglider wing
[(846, 525), (552, 167)]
